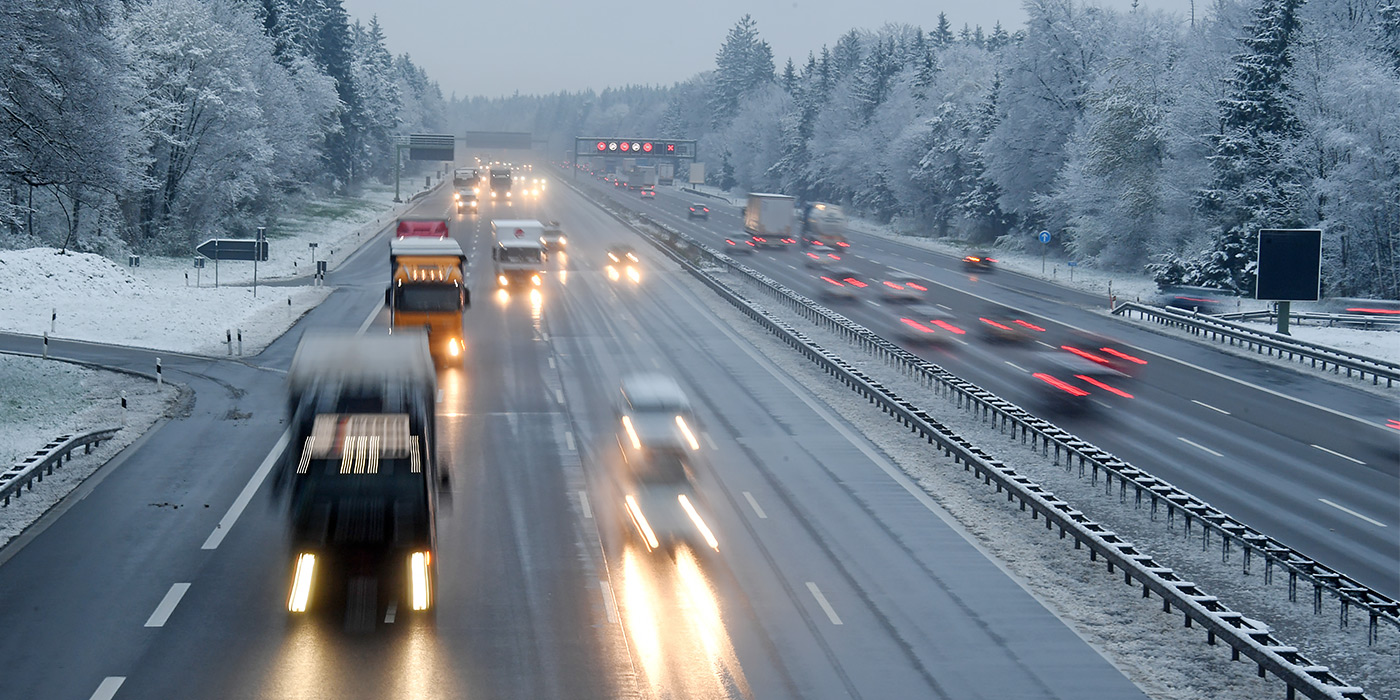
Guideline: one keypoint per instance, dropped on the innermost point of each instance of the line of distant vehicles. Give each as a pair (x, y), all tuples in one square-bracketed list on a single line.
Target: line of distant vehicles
[(494, 184)]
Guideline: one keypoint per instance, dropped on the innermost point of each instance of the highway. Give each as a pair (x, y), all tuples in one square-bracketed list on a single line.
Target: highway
[(166, 574), (1300, 458)]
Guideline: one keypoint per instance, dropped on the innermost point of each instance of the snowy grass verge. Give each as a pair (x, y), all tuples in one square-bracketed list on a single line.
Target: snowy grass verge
[(47, 398)]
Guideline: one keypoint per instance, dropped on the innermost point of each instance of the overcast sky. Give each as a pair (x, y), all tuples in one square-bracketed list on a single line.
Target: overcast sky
[(498, 47)]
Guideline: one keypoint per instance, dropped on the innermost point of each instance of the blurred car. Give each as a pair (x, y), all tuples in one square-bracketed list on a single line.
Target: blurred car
[(658, 445), (648, 192), (903, 290), (1107, 352), (1068, 383), (979, 262), (553, 237), (1203, 300), (839, 284), (465, 201), (699, 211), (623, 263), (820, 256), (927, 323)]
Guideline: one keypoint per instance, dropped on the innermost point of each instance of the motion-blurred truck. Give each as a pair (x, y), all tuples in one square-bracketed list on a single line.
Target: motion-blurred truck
[(769, 220), (518, 254), (665, 174), (427, 289), (824, 224), (360, 473)]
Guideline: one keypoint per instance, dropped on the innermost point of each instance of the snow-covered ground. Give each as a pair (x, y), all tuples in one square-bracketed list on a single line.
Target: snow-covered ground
[(43, 399), (166, 304)]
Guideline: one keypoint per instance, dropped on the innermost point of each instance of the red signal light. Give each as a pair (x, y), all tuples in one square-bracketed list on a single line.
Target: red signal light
[(602, 145), (670, 148), (647, 147), (625, 146)]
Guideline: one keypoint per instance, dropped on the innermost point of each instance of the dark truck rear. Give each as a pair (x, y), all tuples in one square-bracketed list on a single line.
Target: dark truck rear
[(361, 476)]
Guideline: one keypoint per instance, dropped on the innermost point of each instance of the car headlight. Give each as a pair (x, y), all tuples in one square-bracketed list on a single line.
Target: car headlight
[(502, 279)]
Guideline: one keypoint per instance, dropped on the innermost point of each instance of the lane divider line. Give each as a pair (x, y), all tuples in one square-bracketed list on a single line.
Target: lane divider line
[(583, 503), (709, 442), (821, 600), (391, 613), (167, 605), (754, 504), (1338, 454), (559, 395), (108, 688), (1015, 366), (1349, 511), (609, 602), (551, 362), (373, 314), (1200, 447), (1202, 403), (569, 440), (246, 495)]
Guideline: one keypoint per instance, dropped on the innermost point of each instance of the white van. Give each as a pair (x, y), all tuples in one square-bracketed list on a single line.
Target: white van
[(518, 255)]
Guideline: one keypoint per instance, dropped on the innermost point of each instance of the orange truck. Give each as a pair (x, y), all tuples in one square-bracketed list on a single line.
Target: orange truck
[(428, 290)]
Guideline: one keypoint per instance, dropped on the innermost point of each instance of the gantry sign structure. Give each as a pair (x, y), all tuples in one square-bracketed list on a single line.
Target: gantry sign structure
[(622, 147)]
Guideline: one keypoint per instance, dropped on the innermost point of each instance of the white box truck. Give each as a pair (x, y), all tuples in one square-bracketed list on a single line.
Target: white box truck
[(770, 220)]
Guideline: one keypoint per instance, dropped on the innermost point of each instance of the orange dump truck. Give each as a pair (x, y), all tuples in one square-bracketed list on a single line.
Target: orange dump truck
[(428, 290)]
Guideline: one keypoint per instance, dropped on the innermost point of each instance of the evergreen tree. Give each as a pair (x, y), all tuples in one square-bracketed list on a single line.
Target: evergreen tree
[(744, 62), (1255, 186), (942, 35), (332, 50), (789, 77), (845, 56), (1389, 28), (998, 38), (965, 36), (925, 65)]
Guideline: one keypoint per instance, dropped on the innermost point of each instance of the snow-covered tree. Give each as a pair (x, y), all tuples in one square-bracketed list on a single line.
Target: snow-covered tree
[(744, 63)]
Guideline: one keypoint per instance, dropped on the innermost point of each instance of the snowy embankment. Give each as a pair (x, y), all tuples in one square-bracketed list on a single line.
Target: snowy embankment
[(95, 299), (166, 304)]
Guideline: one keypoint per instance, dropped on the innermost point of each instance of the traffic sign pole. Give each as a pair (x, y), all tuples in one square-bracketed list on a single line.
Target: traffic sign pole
[(1044, 243)]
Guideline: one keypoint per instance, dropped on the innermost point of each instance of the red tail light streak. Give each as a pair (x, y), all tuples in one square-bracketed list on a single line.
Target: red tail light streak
[(1393, 424), (1029, 325), (1085, 354), (992, 323), (1124, 356), (949, 327), (855, 282), (916, 325), (921, 288), (1067, 388), (1105, 387)]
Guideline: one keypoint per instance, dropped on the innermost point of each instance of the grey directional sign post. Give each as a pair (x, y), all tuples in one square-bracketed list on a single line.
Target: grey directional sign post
[(217, 249), (1044, 241)]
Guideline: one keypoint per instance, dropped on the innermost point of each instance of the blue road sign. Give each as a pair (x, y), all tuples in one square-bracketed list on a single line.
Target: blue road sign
[(1044, 236)]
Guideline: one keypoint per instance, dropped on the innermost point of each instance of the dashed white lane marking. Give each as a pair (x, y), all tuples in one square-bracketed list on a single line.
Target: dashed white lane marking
[(167, 605), (656, 363), (246, 495), (1201, 403), (559, 395), (544, 336), (609, 602), (1016, 366), (583, 503), (441, 393), (709, 442), (391, 612), (754, 504), (569, 440), (1200, 447), (1338, 454), (1349, 511), (1052, 347), (108, 688), (945, 308), (821, 600), (551, 363), (960, 340)]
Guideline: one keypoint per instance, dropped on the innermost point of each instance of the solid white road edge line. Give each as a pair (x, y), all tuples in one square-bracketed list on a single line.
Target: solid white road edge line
[(609, 602), (1338, 454), (167, 605), (754, 504), (246, 495), (373, 314), (821, 600), (1349, 511), (1202, 403), (1200, 447), (108, 688)]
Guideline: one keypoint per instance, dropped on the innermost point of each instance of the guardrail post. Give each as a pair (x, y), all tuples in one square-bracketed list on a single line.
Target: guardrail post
[(228, 341), (160, 377), (46, 346), (240, 342)]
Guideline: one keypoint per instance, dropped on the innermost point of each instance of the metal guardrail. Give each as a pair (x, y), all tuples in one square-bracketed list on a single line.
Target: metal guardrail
[(1220, 622), (1263, 342), (42, 463), (1367, 321), (706, 194)]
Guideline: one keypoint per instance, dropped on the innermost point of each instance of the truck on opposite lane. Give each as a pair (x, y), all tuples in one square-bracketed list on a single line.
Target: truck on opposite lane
[(770, 220)]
